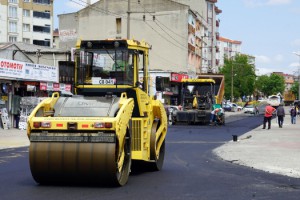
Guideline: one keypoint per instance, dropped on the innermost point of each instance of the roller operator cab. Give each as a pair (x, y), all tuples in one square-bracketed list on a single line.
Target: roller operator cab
[(93, 136)]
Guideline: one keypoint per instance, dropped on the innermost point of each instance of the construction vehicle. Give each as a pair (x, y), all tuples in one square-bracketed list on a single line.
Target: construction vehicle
[(198, 97), (289, 98), (196, 101), (274, 100), (219, 87), (95, 135)]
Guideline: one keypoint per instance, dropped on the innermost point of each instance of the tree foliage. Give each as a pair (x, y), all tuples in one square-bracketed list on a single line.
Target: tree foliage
[(269, 85), (238, 71), (295, 88)]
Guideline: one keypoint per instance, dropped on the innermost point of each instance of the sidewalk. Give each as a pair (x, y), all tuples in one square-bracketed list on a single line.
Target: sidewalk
[(275, 151), (11, 138)]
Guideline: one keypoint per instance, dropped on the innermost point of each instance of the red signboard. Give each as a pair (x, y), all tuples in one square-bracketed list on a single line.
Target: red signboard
[(175, 77), (55, 86), (43, 86)]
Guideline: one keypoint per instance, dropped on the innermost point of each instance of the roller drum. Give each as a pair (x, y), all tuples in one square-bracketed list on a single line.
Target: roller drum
[(57, 162)]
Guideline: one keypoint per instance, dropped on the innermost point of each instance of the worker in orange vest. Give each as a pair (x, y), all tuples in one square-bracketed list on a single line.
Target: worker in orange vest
[(269, 110)]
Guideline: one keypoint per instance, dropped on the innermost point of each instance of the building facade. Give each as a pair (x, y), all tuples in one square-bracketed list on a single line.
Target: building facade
[(176, 30), (228, 48), (28, 21)]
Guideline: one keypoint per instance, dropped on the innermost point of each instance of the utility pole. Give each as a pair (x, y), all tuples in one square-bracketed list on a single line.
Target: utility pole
[(128, 20), (38, 54)]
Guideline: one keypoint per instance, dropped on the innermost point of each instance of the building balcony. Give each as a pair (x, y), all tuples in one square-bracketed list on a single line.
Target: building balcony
[(217, 35), (217, 23), (212, 1), (191, 29)]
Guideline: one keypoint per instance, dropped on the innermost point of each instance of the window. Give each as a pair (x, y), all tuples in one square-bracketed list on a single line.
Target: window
[(210, 7), (44, 15), (119, 25), (26, 13), (26, 40), (26, 1), (43, 29), (13, 1), (12, 27), (209, 21), (41, 1), (26, 27), (12, 39), (12, 12), (41, 42)]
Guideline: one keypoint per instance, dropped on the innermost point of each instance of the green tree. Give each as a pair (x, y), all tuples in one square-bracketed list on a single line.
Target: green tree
[(261, 84), (238, 71), (276, 84), (269, 85), (295, 88)]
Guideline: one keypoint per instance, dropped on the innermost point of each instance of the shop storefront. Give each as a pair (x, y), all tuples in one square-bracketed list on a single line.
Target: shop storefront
[(22, 87), (169, 92)]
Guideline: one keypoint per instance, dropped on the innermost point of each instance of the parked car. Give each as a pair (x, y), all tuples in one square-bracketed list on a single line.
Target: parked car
[(227, 107), (249, 109), (232, 107), (236, 107)]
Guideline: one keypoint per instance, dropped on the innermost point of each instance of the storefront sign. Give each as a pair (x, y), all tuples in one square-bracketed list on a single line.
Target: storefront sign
[(55, 86), (66, 35), (43, 86), (175, 77), (28, 71)]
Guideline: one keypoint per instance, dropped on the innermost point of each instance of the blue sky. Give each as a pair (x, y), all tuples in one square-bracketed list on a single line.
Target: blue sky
[(268, 29)]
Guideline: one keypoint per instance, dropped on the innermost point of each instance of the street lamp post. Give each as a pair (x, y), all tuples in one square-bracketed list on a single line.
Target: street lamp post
[(298, 54), (231, 82)]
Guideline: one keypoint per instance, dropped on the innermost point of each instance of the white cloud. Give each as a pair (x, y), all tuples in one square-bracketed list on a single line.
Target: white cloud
[(279, 58), (263, 71), (294, 64), (257, 3), (278, 2), (77, 5), (262, 59), (74, 6)]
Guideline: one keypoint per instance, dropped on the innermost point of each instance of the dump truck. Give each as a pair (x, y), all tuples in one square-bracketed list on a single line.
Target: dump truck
[(95, 135), (219, 87)]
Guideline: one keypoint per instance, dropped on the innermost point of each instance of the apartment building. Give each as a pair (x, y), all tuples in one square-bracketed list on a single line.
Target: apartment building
[(182, 32), (27, 21), (228, 48)]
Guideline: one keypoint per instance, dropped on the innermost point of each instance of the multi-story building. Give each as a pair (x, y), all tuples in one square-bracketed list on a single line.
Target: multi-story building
[(182, 32), (27, 21), (228, 48)]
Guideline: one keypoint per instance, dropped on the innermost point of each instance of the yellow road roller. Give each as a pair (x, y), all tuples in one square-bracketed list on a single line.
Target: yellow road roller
[(111, 120)]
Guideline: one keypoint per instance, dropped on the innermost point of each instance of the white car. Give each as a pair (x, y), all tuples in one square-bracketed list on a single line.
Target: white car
[(249, 109), (235, 107)]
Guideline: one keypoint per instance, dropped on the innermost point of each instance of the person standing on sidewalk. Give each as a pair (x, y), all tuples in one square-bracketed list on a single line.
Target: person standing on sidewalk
[(293, 114), (269, 110), (280, 115)]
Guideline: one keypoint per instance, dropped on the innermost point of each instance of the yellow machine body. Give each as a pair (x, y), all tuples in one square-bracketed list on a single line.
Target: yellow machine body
[(95, 135)]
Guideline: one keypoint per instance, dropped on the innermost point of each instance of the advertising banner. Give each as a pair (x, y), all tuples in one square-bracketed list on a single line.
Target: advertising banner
[(175, 77), (55, 86), (28, 71)]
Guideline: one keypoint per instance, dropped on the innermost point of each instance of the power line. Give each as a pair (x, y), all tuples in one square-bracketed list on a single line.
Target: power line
[(165, 37), (161, 22), (106, 11)]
